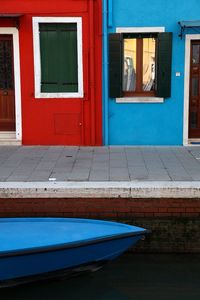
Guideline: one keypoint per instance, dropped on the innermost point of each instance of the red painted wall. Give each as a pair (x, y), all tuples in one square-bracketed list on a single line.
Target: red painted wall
[(57, 121)]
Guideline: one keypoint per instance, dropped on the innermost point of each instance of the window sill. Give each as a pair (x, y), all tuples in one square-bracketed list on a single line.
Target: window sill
[(140, 100), (59, 95)]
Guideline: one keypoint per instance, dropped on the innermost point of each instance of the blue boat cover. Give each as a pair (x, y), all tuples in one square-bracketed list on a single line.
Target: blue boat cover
[(30, 233)]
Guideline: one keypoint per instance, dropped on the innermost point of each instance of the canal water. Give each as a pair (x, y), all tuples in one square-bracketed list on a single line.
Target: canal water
[(131, 277)]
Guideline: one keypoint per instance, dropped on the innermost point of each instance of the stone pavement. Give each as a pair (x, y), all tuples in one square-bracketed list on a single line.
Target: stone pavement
[(89, 164)]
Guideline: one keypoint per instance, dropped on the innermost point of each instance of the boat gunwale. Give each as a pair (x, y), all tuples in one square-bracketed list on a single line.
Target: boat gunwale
[(66, 246)]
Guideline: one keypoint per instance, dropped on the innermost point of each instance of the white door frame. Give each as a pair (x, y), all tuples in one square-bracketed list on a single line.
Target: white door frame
[(188, 39), (17, 83)]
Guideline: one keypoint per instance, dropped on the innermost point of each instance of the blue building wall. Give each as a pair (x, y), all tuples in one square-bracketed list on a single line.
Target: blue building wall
[(150, 123)]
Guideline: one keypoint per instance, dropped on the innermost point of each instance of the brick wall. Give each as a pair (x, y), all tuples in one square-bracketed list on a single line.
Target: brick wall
[(175, 223)]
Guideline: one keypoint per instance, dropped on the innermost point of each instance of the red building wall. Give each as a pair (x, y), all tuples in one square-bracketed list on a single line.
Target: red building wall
[(59, 121)]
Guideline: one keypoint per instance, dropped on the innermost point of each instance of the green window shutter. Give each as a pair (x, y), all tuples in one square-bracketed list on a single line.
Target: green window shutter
[(58, 50), (164, 62), (115, 65)]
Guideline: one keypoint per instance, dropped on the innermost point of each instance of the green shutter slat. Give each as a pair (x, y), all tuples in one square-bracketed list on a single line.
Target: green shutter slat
[(115, 65), (68, 61), (164, 62), (58, 48), (49, 76)]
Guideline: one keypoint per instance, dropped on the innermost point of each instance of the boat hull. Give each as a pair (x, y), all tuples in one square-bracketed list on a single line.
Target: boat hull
[(33, 249), (29, 267)]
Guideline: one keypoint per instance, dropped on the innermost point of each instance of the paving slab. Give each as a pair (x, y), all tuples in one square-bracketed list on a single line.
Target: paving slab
[(99, 175), (103, 165), (128, 164)]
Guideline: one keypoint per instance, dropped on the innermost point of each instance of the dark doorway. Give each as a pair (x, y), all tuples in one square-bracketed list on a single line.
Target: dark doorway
[(7, 94)]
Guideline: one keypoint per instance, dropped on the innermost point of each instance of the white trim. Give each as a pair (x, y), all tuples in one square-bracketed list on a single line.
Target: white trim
[(18, 118), (193, 142), (10, 142), (4, 135), (114, 189), (37, 64), (140, 100), (140, 30), (188, 39)]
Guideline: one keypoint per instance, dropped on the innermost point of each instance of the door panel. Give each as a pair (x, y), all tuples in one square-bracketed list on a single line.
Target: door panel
[(194, 103), (7, 97)]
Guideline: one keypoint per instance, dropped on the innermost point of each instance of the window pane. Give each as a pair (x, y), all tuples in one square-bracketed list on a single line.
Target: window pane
[(149, 55), (6, 64), (193, 119), (129, 71), (195, 86), (195, 54), (58, 49)]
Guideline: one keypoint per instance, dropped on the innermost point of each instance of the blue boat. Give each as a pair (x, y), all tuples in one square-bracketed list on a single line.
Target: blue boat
[(44, 248)]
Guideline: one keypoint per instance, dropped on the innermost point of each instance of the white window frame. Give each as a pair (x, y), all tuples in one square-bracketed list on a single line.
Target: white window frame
[(37, 60), (146, 99)]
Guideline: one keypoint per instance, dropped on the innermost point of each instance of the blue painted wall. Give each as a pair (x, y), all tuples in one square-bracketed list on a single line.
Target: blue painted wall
[(146, 123)]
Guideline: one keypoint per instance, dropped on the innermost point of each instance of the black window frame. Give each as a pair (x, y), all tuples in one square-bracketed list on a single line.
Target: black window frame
[(163, 58)]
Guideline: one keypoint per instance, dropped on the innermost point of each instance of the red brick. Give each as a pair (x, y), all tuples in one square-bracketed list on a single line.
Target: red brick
[(162, 209), (176, 209)]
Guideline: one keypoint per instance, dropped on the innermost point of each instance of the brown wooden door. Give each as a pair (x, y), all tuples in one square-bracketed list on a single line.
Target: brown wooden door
[(7, 96), (194, 103)]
